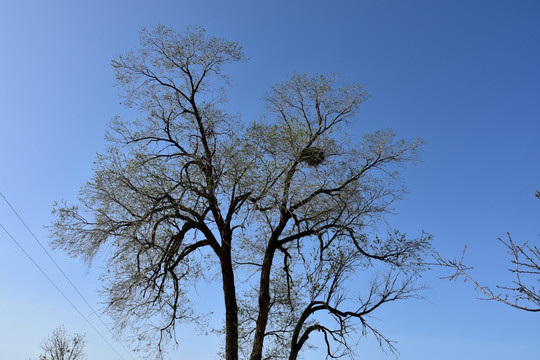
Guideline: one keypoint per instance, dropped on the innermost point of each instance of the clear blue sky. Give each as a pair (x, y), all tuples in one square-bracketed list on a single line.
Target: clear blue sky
[(464, 75)]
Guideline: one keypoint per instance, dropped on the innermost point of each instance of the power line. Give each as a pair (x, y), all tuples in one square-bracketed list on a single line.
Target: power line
[(63, 273), (60, 291)]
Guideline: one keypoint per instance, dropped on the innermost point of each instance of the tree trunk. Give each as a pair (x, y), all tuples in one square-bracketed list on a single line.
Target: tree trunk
[(231, 306), (264, 288), (296, 344), (264, 304)]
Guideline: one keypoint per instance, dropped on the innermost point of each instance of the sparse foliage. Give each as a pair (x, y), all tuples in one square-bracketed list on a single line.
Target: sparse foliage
[(279, 211), (522, 294), (62, 346)]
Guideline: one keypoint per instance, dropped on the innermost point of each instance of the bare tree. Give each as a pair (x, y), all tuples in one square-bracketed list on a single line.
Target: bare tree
[(62, 346), (522, 293), (278, 211)]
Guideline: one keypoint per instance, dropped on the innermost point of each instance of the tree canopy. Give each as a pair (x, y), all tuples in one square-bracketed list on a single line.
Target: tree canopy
[(280, 212), (63, 346)]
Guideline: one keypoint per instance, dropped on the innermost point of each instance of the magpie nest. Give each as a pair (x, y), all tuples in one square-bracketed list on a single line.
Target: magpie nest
[(312, 156)]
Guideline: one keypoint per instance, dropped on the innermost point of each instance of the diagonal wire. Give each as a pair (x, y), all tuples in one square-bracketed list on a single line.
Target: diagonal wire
[(64, 274), (60, 291)]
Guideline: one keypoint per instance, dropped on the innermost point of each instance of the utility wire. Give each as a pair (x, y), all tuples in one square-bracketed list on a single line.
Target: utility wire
[(63, 273), (60, 291)]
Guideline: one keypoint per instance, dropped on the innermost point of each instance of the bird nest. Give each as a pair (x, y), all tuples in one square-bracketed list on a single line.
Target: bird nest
[(312, 156)]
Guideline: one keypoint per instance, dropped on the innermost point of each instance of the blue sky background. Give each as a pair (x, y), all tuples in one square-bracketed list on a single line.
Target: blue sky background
[(464, 75)]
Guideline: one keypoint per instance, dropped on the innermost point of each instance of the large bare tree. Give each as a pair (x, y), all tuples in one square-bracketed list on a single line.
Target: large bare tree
[(279, 211)]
